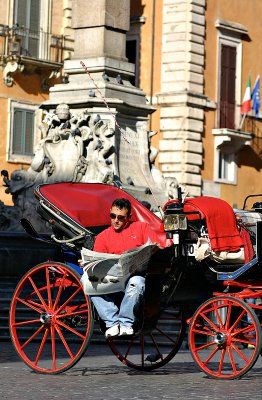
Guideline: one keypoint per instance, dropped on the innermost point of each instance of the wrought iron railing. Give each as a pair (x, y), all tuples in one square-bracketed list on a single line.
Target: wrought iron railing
[(40, 45)]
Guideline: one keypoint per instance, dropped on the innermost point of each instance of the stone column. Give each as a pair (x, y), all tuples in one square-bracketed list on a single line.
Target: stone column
[(182, 86)]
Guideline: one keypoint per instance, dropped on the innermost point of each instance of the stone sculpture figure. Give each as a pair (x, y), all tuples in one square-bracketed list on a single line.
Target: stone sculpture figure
[(76, 149)]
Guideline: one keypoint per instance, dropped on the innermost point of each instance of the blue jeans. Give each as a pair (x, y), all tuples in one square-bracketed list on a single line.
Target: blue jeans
[(109, 312)]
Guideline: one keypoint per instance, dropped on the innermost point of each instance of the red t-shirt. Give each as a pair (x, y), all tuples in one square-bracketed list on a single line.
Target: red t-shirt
[(134, 235)]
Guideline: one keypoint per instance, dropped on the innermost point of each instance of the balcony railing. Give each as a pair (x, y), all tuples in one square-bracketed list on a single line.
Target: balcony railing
[(21, 47), (17, 40)]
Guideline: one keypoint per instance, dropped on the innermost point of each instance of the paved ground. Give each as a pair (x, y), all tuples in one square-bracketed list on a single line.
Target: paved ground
[(99, 375)]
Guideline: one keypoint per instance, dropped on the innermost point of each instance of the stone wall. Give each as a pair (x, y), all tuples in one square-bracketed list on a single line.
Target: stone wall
[(182, 86)]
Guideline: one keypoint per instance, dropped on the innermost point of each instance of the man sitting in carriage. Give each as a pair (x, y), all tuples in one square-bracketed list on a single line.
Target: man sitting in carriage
[(122, 235)]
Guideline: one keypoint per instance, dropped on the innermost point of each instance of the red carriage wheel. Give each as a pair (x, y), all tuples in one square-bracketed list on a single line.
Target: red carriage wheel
[(51, 319), (148, 351), (225, 337)]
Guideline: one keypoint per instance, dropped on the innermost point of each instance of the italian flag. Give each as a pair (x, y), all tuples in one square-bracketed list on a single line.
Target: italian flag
[(246, 103)]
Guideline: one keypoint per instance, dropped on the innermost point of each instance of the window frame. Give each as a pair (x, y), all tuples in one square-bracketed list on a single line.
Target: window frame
[(230, 39), (44, 27), (230, 177), (14, 157)]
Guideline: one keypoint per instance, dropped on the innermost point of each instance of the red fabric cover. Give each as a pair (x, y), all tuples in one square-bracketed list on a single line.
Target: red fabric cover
[(220, 220), (134, 235), (248, 248), (89, 204)]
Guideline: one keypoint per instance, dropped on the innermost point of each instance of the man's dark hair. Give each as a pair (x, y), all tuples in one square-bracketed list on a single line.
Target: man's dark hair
[(122, 203)]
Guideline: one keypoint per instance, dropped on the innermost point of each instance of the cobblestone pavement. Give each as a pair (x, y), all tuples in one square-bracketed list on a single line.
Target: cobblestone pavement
[(99, 375)]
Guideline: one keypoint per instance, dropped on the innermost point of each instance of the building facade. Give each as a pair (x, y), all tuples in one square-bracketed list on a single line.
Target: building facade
[(194, 70), (192, 59), (35, 39)]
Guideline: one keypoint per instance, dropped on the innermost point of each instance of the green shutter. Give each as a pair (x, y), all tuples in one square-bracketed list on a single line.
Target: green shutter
[(17, 136), (23, 132), (29, 133)]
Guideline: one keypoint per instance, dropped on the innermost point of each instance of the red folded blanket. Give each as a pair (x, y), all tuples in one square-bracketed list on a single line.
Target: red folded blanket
[(220, 220)]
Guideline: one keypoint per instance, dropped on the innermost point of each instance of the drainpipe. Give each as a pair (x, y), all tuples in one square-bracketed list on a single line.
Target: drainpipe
[(152, 60)]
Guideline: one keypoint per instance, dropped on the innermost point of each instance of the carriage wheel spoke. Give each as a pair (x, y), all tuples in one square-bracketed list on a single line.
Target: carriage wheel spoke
[(232, 360), (240, 317), (69, 299), (29, 305), (64, 341), (228, 315), (53, 346), (210, 356), (240, 353), (218, 316), (156, 346), (204, 332), (205, 346), (28, 322), (41, 346), (38, 293), (221, 363), (29, 340), (59, 291), (49, 296), (70, 329), (165, 335), (209, 321)]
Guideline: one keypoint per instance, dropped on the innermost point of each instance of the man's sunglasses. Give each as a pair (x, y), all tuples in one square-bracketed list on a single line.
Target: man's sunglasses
[(119, 217)]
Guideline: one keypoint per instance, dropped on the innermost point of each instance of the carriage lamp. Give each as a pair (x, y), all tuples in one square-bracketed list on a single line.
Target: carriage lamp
[(174, 222)]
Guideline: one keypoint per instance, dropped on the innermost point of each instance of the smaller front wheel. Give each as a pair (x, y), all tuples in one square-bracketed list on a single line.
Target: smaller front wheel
[(225, 337)]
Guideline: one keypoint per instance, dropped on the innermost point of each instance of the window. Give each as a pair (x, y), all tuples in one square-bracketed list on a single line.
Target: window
[(228, 140), (132, 54), (22, 128), (27, 18), (227, 101), (133, 46), (227, 143), (31, 21), (229, 73), (226, 168)]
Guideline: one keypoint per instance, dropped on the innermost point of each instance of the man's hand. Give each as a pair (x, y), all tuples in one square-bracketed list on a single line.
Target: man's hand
[(81, 263)]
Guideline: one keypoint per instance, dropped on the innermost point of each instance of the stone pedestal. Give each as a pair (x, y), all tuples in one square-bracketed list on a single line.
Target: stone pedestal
[(103, 87)]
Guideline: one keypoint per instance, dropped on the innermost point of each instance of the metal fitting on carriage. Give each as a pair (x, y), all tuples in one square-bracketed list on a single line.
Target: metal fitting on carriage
[(174, 222)]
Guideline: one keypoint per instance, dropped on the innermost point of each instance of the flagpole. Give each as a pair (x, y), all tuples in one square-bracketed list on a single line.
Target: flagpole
[(242, 121)]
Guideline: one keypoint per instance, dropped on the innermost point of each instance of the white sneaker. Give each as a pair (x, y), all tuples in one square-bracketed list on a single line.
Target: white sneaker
[(112, 331), (125, 330)]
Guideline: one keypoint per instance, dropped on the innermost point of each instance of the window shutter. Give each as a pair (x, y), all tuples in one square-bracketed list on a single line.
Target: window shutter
[(23, 132), (227, 87), (17, 132), (29, 133)]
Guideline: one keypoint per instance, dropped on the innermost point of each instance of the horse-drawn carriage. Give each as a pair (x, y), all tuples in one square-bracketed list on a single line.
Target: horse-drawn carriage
[(208, 278)]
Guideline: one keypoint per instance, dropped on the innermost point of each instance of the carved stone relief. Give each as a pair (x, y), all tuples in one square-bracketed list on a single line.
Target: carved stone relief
[(82, 147)]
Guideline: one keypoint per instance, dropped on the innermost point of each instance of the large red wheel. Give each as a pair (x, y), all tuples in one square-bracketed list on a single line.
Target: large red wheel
[(151, 350), (51, 319), (225, 337)]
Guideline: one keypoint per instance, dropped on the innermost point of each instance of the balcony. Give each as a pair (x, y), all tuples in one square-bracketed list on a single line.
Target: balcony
[(31, 52)]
